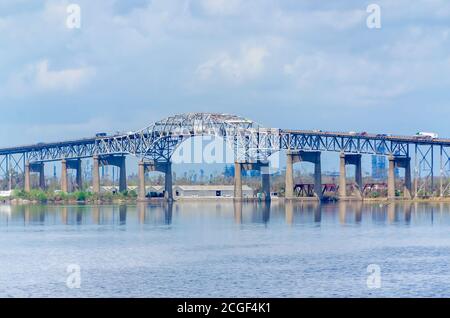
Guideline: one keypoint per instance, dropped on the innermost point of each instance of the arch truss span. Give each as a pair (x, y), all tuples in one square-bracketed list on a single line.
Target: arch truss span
[(249, 140)]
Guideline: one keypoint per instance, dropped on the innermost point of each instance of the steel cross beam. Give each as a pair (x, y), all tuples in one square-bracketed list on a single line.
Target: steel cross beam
[(424, 170), (445, 171), (347, 144)]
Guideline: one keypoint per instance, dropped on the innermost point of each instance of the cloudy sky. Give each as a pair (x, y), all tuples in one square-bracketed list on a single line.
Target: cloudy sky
[(285, 64)]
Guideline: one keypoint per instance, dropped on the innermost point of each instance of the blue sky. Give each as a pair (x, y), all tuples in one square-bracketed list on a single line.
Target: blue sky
[(285, 64)]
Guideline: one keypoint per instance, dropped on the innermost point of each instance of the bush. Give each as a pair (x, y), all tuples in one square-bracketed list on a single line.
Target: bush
[(21, 194), (107, 196), (80, 195), (132, 194), (38, 195)]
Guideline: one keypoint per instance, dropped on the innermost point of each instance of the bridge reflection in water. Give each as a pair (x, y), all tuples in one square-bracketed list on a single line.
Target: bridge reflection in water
[(290, 213)]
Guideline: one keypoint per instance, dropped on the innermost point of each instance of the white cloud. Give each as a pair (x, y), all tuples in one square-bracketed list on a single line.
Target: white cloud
[(221, 7), (248, 65), (39, 78), (356, 80)]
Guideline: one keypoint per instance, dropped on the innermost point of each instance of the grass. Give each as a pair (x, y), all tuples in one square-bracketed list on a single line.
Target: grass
[(42, 196)]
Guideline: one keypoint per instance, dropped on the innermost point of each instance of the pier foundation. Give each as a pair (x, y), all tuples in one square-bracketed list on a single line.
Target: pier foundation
[(110, 160), (34, 167), (350, 159), (165, 167), (74, 164), (399, 162), (303, 156), (262, 167)]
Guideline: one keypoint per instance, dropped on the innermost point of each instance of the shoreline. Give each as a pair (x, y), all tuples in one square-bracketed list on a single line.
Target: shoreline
[(19, 201)]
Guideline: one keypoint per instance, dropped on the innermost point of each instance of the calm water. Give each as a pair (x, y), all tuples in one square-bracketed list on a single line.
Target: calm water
[(226, 250)]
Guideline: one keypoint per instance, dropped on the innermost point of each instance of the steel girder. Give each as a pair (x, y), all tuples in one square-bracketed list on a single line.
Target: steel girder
[(250, 141), (348, 144), (445, 171), (424, 170)]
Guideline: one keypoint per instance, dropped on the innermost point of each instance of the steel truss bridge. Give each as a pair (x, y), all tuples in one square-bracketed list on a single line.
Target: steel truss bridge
[(250, 141)]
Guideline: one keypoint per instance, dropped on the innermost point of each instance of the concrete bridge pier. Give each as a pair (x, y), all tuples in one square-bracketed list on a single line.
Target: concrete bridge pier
[(303, 156), (165, 167), (70, 164), (399, 162), (34, 167), (95, 174), (265, 182), (76, 165), (109, 160), (350, 159), (258, 166), (64, 183), (141, 175), (27, 177), (237, 181)]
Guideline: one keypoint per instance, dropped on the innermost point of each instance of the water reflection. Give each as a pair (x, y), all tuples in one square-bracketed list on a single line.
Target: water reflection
[(289, 212), (251, 212), (155, 213), (302, 212), (122, 214)]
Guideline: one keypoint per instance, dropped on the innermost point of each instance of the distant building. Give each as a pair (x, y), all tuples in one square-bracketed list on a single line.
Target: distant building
[(209, 191), (5, 194), (379, 171), (191, 191)]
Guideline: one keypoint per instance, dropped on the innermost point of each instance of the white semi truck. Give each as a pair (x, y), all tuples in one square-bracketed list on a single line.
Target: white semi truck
[(423, 134)]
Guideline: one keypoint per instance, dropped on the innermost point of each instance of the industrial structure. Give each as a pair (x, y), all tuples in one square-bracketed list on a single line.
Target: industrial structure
[(252, 144)]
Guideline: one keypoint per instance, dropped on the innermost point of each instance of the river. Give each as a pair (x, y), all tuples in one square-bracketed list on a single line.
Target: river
[(225, 249)]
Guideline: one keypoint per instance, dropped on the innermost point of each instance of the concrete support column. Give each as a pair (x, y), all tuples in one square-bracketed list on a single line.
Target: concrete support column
[(358, 175), (168, 194), (237, 181), (141, 172), (27, 183), (407, 192), (123, 176), (289, 182), (358, 178), (342, 176), (41, 176), (265, 180), (79, 178), (96, 174), (318, 178), (391, 178), (64, 183)]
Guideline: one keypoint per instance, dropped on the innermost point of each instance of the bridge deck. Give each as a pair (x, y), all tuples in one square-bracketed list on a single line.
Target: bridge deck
[(397, 138)]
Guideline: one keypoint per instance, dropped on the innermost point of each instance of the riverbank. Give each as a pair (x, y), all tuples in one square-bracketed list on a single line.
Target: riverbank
[(53, 197), (20, 197)]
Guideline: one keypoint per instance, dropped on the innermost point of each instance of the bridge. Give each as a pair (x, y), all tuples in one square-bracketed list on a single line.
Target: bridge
[(252, 146)]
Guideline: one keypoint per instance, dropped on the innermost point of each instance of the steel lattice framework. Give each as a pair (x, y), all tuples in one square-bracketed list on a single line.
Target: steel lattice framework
[(157, 142)]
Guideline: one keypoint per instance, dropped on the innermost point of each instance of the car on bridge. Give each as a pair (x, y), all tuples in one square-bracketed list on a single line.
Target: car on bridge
[(101, 134)]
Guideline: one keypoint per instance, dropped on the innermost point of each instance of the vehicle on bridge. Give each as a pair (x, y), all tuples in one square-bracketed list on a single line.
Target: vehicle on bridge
[(423, 134)]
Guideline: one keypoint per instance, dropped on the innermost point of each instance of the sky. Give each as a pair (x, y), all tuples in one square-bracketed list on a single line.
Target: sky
[(285, 64)]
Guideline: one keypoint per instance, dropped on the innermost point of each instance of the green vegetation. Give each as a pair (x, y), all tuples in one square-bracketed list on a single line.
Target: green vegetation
[(78, 196)]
